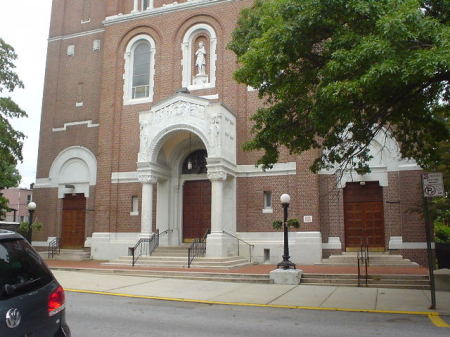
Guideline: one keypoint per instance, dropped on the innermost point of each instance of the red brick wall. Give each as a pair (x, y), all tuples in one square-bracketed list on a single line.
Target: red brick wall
[(413, 227)]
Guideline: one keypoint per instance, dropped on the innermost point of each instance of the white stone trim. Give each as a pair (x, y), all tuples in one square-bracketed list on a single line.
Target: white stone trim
[(187, 48), (43, 243), (76, 35), (174, 7), (334, 242), (267, 210), (216, 96), (409, 167), (128, 71), (379, 174), (111, 245), (279, 169), (386, 158), (396, 242), (74, 155), (124, 177), (88, 124), (304, 247), (243, 171)]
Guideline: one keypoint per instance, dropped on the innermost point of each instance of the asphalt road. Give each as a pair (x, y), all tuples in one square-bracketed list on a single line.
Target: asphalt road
[(100, 315)]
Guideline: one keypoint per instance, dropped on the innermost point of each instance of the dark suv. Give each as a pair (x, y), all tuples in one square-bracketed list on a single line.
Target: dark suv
[(31, 300)]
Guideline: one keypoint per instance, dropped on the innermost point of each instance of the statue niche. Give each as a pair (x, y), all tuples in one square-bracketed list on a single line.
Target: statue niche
[(199, 54)]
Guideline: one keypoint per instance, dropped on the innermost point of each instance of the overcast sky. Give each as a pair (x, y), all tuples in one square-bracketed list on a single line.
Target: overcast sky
[(25, 25)]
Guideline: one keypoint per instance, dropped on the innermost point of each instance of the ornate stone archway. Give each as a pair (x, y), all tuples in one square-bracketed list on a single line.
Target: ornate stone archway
[(215, 127)]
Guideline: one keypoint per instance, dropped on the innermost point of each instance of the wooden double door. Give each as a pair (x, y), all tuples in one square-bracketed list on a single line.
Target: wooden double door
[(196, 209), (73, 221), (364, 215)]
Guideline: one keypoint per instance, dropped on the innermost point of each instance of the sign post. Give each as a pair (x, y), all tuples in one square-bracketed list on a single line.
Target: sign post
[(433, 186)]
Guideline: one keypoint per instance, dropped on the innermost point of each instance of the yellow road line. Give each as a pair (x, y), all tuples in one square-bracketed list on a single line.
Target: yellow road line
[(419, 313), (438, 321)]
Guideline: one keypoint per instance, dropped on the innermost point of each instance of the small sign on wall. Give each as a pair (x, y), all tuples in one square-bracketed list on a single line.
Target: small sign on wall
[(433, 185), (307, 218)]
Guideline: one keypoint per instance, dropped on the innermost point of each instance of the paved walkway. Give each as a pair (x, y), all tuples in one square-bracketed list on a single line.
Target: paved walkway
[(90, 276), (250, 269)]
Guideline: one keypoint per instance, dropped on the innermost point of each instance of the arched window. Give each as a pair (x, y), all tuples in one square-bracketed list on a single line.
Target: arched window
[(139, 70)]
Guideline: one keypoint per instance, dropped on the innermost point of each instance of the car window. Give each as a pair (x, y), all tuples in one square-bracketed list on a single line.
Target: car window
[(21, 268)]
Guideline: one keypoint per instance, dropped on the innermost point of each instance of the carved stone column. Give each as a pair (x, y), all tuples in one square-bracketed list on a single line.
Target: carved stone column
[(218, 244), (217, 181), (135, 6), (147, 181)]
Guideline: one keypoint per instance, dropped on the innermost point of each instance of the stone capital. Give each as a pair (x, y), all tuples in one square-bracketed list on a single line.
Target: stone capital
[(146, 178), (217, 176)]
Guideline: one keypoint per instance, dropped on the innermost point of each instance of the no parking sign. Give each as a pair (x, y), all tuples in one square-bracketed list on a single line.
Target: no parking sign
[(433, 185)]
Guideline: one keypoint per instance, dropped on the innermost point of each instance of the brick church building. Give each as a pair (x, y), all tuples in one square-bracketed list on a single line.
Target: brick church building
[(142, 130)]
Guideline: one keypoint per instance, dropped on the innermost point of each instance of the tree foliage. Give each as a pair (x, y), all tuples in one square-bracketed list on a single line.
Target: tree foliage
[(11, 140), (335, 73)]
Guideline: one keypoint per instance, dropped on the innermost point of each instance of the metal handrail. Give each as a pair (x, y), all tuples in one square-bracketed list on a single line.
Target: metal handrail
[(363, 258), (53, 248), (197, 248), (250, 246), (146, 246)]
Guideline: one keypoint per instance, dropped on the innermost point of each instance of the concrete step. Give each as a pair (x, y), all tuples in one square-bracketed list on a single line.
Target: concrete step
[(69, 255), (179, 262), (201, 276), (374, 276), (378, 281), (407, 265), (390, 286), (375, 259)]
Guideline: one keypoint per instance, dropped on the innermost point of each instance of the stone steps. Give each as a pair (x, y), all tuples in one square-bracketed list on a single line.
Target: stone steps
[(176, 257), (201, 276), (375, 259), (69, 255), (374, 281), (174, 262)]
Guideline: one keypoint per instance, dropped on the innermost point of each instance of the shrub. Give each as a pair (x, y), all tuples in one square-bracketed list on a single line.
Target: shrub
[(441, 232), (23, 228)]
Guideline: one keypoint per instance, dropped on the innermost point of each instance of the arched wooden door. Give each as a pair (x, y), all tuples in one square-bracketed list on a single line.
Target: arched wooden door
[(196, 209), (73, 221), (364, 215)]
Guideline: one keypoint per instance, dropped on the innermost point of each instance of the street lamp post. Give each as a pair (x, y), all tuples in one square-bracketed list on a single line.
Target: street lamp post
[(31, 207), (285, 264)]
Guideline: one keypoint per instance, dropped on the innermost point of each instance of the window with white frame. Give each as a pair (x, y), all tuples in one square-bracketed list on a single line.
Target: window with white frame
[(134, 205), (139, 70), (267, 199)]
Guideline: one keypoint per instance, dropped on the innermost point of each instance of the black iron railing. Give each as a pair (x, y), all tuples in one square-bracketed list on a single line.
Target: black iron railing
[(53, 248), (250, 246), (146, 246), (363, 262), (197, 248)]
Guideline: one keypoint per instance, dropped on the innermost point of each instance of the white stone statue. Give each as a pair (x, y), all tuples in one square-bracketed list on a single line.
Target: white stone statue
[(200, 61)]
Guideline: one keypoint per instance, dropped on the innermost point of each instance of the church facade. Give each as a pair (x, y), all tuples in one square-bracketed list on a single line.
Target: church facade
[(142, 130)]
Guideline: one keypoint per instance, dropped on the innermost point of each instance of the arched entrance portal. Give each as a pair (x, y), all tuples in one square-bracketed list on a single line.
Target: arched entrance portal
[(188, 154)]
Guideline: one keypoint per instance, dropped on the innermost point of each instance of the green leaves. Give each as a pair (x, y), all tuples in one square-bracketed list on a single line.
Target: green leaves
[(291, 223), (336, 73), (11, 141)]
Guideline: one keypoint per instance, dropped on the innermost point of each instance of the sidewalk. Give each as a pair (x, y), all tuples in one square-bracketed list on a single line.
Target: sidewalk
[(90, 276)]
